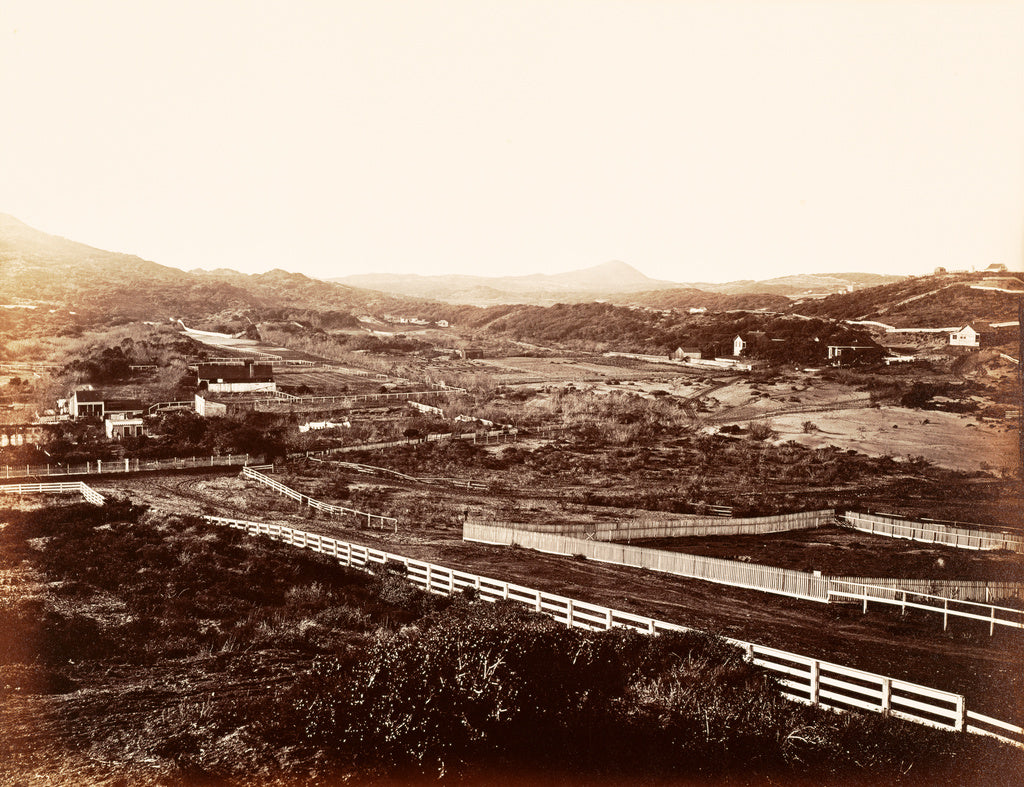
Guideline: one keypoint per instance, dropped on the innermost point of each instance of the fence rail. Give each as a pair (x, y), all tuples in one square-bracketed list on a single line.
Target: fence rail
[(931, 532), (496, 435), (909, 599), (800, 678), (256, 475), (373, 470), (63, 487), (101, 466)]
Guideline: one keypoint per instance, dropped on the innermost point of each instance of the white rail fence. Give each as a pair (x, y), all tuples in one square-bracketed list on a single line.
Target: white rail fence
[(953, 589), (101, 466), (371, 519), (65, 487), (373, 470), (781, 581), (931, 532), (800, 678), (908, 599)]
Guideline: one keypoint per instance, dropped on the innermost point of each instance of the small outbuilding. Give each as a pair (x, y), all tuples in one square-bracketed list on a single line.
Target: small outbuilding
[(965, 337)]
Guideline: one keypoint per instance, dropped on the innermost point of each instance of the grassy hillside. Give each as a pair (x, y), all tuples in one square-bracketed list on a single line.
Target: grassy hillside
[(926, 302)]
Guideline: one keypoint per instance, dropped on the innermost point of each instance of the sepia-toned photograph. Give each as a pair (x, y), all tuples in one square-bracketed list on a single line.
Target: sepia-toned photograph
[(511, 392)]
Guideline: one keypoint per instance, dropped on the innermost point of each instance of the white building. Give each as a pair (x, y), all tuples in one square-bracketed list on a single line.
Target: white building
[(965, 337)]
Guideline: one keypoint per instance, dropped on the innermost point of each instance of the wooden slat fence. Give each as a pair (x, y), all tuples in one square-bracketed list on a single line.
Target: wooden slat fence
[(931, 532), (371, 519), (800, 678), (953, 589), (64, 487), (729, 572), (101, 466), (769, 579), (665, 527)]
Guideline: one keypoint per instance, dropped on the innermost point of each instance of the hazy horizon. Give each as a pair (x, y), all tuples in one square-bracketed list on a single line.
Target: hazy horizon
[(695, 141)]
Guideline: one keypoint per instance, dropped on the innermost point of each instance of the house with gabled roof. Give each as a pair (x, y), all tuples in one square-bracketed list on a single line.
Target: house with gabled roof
[(965, 337)]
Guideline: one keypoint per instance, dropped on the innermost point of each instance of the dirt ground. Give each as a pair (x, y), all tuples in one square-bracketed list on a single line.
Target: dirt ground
[(839, 552), (950, 440), (965, 659)]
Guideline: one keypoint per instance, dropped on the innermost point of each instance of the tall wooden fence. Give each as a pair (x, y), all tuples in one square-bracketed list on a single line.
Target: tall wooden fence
[(931, 532), (101, 466), (371, 519), (712, 569), (786, 582), (691, 526), (62, 487), (800, 678)]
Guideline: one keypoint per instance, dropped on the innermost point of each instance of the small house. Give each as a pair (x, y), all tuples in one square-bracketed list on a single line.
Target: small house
[(119, 428), (235, 377), (965, 337), (686, 354), (744, 342), (90, 403), (848, 354)]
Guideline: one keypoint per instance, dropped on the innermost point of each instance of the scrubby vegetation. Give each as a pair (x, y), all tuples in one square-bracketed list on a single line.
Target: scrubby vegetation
[(266, 664)]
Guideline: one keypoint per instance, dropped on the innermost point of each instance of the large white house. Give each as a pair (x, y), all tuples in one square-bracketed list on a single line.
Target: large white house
[(965, 337)]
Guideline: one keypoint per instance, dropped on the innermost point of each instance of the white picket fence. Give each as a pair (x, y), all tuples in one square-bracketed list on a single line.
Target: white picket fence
[(800, 678), (769, 579), (371, 519), (679, 527), (64, 487), (102, 466), (931, 532)]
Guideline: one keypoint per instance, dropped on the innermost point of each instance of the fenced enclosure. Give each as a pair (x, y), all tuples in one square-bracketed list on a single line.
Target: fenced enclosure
[(800, 678), (65, 487), (728, 572), (102, 466), (372, 520), (931, 532), (786, 582)]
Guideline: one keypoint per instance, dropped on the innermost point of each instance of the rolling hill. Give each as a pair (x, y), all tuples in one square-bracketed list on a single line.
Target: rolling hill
[(36, 267)]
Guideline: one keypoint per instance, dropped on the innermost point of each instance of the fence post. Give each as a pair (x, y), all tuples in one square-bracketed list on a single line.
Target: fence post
[(886, 696), (960, 725), (568, 613), (608, 619), (945, 613), (815, 678), (865, 599), (992, 625), (428, 578)]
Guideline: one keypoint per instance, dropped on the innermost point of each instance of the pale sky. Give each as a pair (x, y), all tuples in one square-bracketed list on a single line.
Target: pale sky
[(697, 141)]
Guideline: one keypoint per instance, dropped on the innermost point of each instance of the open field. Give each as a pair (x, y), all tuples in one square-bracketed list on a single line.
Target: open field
[(528, 370)]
